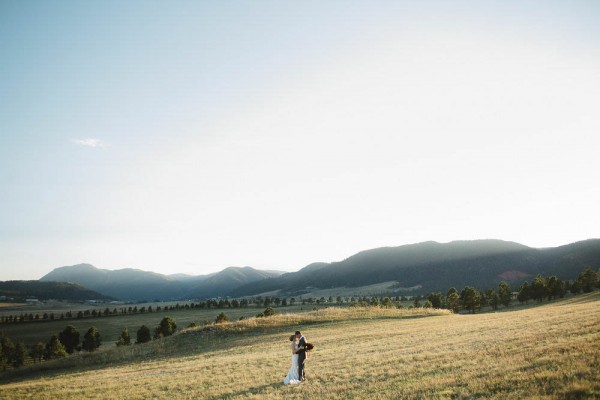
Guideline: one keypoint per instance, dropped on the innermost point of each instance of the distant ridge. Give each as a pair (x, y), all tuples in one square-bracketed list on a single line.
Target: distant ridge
[(136, 284), (229, 279), (428, 266), (21, 290), (436, 266)]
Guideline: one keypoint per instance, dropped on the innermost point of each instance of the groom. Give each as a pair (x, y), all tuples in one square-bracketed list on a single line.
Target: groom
[(301, 355)]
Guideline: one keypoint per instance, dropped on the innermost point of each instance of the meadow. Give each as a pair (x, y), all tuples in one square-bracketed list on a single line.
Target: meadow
[(111, 327), (547, 351)]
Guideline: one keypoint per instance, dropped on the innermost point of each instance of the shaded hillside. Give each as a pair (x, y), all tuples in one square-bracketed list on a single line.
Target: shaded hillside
[(135, 284), (123, 284), (437, 267), (227, 280), (20, 290)]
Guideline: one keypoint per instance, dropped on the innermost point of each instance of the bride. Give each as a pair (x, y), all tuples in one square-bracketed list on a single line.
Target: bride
[(292, 377)]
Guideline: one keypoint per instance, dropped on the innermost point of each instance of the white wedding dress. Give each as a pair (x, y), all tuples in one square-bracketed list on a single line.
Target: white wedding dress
[(292, 377)]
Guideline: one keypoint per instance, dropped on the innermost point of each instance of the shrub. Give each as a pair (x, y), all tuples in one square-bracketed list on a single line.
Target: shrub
[(221, 318), (268, 312)]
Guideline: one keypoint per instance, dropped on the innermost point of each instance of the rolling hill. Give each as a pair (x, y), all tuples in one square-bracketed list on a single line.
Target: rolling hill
[(21, 290), (226, 281), (136, 284), (426, 267), (432, 266)]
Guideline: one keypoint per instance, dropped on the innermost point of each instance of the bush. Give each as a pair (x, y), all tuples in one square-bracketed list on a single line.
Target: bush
[(221, 318), (269, 312)]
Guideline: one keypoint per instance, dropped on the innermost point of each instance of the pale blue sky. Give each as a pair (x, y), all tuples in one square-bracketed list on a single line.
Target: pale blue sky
[(193, 136)]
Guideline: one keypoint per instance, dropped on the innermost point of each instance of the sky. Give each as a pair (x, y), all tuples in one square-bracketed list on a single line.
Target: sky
[(190, 136)]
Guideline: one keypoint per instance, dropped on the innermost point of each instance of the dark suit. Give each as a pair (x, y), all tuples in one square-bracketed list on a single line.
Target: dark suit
[(301, 358)]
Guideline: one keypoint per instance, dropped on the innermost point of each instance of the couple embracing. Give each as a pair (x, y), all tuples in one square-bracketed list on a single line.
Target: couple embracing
[(299, 352)]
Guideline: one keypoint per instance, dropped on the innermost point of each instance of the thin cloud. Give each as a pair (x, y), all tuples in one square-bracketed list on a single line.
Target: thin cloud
[(97, 143)]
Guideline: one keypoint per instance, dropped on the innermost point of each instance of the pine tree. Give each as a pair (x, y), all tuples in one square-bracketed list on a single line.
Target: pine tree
[(471, 299), (54, 349), (69, 337), (37, 352), (124, 339), (19, 355), (221, 318), (493, 298), (524, 293), (588, 280), (166, 327), (91, 339), (539, 288), (504, 293), (7, 349), (143, 335), (453, 300)]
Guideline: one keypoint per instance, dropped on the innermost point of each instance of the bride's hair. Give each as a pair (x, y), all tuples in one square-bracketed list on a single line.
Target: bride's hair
[(292, 338)]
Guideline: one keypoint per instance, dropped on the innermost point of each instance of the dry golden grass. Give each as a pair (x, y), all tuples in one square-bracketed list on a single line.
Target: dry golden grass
[(543, 352)]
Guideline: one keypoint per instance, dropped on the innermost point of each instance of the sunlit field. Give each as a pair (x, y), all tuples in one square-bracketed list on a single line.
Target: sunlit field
[(549, 351)]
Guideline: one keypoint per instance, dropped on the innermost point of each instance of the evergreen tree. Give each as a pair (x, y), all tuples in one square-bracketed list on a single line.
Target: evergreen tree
[(221, 318), (504, 293), (91, 339), (453, 300), (436, 299), (539, 288), (7, 349), (19, 355), (587, 280), (54, 349), (387, 302), (166, 327), (37, 352), (555, 287), (69, 337), (470, 298), (124, 339), (493, 298), (268, 312), (524, 293), (143, 335)]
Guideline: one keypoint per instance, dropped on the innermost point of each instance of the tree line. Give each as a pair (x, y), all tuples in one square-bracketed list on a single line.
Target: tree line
[(61, 345), (471, 299), (69, 341), (258, 301)]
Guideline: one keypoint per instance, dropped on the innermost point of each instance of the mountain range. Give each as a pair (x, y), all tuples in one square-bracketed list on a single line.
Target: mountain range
[(432, 266), (136, 284), (22, 290), (424, 267)]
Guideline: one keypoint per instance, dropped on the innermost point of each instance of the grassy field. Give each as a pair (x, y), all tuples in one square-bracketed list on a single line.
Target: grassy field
[(550, 351), (110, 327)]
